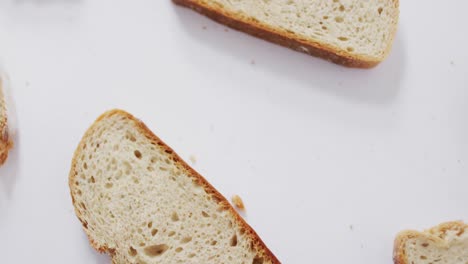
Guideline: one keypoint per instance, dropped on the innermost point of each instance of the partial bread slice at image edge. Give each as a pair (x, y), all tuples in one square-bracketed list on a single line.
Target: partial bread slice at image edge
[(286, 38), (96, 192), (5, 139), (446, 243)]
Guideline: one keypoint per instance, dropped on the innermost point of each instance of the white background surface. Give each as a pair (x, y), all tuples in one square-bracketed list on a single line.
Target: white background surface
[(331, 162)]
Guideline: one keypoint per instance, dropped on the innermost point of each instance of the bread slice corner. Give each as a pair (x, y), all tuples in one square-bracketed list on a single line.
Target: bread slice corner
[(352, 33), (141, 203), (446, 243)]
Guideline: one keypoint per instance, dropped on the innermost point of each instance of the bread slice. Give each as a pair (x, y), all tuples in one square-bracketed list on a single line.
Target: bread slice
[(141, 203), (353, 33), (444, 244), (5, 140)]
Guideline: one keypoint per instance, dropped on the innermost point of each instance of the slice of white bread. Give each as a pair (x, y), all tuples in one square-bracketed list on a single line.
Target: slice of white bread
[(444, 244), (5, 139), (141, 203), (353, 33)]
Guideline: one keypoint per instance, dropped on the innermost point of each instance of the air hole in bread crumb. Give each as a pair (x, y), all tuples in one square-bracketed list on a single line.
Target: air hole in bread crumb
[(109, 185), (92, 179), (172, 233), (185, 240), (343, 38), (205, 214), (156, 250), (233, 241), (339, 19), (342, 8), (213, 243), (154, 232), (325, 17), (132, 252), (191, 255), (168, 151), (150, 224), (380, 10), (175, 217), (85, 166), (137, 154), (130, 137), (257, 260), (179, 249), (242, 231), (350, 49)]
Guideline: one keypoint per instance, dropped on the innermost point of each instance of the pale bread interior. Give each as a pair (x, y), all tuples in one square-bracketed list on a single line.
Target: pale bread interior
[(140, 203), (355, 27), (440, 245)]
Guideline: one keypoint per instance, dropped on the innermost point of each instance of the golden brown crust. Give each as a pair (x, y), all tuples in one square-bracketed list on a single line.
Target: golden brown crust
[(285, 38), (258, 243), (435, 234), (5, 145)]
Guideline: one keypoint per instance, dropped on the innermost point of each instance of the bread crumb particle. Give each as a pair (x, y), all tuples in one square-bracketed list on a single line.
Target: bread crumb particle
[(193, 159), (238, 203)]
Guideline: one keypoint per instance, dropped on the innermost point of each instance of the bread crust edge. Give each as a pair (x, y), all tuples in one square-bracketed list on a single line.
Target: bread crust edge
[(222, 201), (287, 39), (399, 253), (5, 140)]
